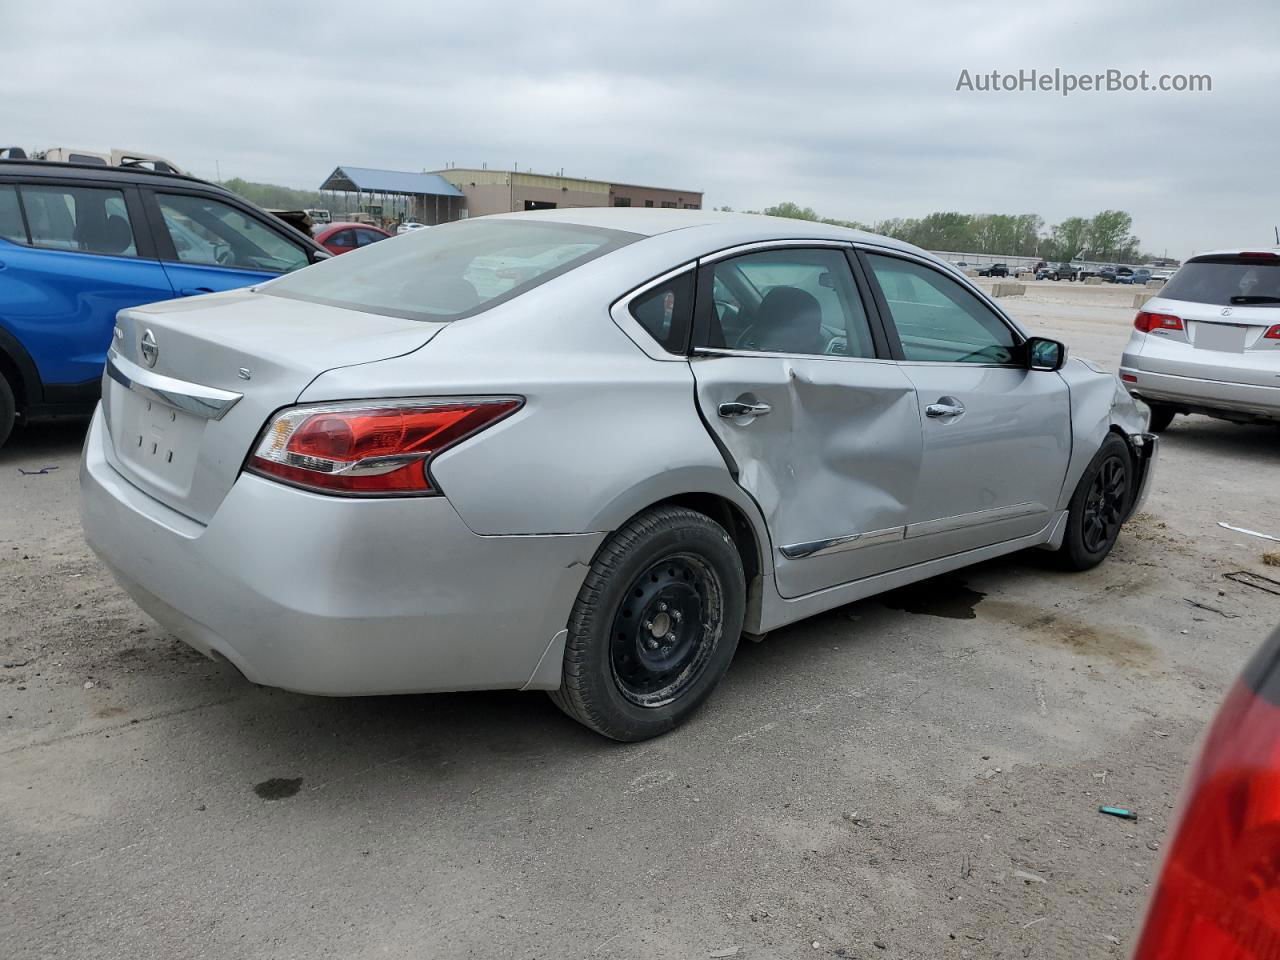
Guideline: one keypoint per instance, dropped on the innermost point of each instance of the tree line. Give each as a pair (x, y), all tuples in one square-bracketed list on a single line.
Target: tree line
[(1104, 236)]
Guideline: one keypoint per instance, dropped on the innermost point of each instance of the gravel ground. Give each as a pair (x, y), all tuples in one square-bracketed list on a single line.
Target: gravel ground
[(915, 775)]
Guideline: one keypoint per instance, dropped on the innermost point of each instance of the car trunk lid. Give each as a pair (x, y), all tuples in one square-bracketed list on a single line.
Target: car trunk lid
[(1230, 343), (190, 383)]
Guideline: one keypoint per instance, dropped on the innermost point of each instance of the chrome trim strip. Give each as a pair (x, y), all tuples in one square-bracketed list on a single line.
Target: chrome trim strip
[(963, 521), (209, 403), (854, 541), (756, 354)]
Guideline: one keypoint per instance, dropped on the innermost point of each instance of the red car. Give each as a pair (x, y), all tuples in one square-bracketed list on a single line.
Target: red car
[(345, 237), (1218, 897)]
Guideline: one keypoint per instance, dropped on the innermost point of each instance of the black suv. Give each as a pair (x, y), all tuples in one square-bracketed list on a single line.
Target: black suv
[(79, 242)]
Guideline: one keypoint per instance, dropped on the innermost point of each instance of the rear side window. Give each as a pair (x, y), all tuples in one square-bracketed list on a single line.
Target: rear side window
[(450, 271), (85, 219), (1227, 281), (210, 232), (801, 301), (346, 239), (666, 311), (11, 227)]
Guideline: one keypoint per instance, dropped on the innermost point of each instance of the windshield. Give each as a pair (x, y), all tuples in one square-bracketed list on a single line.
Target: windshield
[(450, 271), (1224, 281)]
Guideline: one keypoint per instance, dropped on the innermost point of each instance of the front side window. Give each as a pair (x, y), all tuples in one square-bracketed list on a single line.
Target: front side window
[(366, 237), (666, 311), (801, 301), (214, 233), (450, 271), (86, 219), (937, 319)]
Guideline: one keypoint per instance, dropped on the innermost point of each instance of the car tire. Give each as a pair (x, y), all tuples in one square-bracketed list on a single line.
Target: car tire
[(1161, 417), (655, 625), (1099, 506), (8, 410)]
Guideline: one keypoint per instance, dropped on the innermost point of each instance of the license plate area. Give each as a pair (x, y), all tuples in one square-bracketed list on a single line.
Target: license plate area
[(156, 442), (1224, 337)]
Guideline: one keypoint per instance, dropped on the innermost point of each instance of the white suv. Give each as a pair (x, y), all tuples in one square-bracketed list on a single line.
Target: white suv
[(1210, 342)]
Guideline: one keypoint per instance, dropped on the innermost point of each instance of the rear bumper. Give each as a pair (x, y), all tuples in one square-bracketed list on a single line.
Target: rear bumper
[(1196, 394), (337, 596)]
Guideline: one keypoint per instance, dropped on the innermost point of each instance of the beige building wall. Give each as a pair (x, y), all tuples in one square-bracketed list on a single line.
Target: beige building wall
[(503, 191), (654, 197)]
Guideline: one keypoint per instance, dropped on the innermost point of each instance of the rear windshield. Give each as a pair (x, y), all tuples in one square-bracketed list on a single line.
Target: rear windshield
[(451, 271), (1227, 281)]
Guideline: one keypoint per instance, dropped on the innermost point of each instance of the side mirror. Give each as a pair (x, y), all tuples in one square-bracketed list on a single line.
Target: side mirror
[(318, 255), (1045, 354)]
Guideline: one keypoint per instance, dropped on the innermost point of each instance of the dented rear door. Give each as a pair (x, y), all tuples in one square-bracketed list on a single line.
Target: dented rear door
[(827, 443)]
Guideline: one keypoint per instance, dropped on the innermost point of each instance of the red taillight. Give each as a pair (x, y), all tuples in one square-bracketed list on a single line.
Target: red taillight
[(1219, 892), (370, 448), (1128, 378), (1146, 322), (1273, 333)]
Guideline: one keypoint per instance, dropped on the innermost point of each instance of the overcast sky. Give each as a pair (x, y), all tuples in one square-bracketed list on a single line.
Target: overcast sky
[(848, 107)]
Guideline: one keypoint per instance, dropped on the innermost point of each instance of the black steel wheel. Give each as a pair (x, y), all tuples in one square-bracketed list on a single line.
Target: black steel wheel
[(666, 629), (1099, 507), (655, 624)]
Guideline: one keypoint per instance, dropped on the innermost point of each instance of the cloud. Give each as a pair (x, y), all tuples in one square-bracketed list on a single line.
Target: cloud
[(847, 107)]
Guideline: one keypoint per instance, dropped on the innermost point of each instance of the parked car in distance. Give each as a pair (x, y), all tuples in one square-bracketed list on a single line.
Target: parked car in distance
[(1215, 895), (840, 414), (409, 226), (1114, 274), (994, 270), (320, 216), (1059, 271), (1209, 341), (79, 242), (345, 236), (1136, 277)]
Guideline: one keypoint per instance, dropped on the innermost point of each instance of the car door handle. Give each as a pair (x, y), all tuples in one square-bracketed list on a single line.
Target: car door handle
[(945, 407), (195, 291), (737, 408)]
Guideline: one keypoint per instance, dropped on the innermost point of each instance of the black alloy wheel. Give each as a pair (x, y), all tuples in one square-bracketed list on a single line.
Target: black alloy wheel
[(1105, 503)]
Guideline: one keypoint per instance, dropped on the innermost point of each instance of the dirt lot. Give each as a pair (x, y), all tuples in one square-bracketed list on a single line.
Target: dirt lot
[(864, 785)]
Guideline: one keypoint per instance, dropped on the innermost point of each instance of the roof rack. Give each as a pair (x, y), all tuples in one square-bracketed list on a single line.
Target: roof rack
[(133, 164)]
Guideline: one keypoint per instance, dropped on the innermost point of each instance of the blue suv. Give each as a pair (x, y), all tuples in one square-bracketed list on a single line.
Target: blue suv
[(79, 242)]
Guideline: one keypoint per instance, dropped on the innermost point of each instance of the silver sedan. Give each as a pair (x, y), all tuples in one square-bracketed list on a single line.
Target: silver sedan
[(1209, 343), (584, 451)]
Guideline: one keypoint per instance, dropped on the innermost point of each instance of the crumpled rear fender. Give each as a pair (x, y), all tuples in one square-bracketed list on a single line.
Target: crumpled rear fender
[(1100, 405)]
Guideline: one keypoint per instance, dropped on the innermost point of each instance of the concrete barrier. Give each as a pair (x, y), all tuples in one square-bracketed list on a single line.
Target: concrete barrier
[(1008, 289), (1093, 281), (1154, 284), (1025, 275), (1140, 298), (971, 272)]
